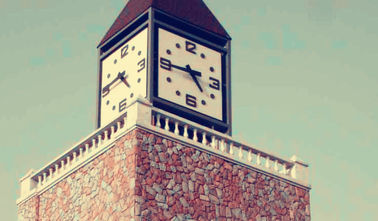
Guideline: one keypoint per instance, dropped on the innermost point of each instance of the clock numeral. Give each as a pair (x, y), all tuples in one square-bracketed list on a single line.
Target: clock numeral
[(165, 64), (124, 51), (190, 47), (142, 64), (214, 84), (105, 91), (122, 105), (191, 100)]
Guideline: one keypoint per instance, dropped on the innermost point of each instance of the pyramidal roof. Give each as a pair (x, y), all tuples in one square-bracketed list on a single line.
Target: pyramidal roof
[(192, 11)]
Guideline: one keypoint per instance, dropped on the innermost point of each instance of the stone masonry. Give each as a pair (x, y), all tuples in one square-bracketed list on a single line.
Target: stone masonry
[(148, 177)]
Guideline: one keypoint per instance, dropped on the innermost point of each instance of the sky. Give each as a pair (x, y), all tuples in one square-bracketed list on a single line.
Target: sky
[(304, 82)]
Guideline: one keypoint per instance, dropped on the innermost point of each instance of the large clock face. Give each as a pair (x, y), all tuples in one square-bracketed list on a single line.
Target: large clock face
[(123, 77), (190, 74)]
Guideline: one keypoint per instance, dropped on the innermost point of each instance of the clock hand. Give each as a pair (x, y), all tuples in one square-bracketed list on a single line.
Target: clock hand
[(123, 79), (194, 74), (120, 75), (179, 68)]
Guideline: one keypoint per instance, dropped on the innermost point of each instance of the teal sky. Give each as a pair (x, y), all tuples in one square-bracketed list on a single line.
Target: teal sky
[(304, 82)]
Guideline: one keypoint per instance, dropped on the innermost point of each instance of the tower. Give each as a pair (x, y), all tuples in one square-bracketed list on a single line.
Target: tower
[(163, 148), (175, 54)]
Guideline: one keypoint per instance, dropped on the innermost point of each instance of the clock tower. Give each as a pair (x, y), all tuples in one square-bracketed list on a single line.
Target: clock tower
[(162, 148), (175, 54)]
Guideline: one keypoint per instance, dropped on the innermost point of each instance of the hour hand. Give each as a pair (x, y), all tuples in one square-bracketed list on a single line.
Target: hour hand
[(193, 74), (123, 79)]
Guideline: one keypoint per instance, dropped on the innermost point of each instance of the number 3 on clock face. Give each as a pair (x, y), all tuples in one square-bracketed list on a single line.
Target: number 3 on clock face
[(190, 74), (214, 83)]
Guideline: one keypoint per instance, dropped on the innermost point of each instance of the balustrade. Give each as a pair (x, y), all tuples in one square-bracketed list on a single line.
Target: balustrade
[(224, 144), (77, 154), (171, 125)]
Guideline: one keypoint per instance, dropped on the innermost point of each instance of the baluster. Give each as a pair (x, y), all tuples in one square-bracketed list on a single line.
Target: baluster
[(112, 131), (258, 160), (94, 145), (276, 165), (267, 163), (106, 132), (44, 177), (68, 162), (158, 124), (213, 142), (86, 148), (166, 124), (231, 148), (293, 172), (250, 155), (204, 141), (99, 140), (50, 173), (177, 132), (118, 126), (195, 138), (74, 157), (284, 171), (223, 145), (81, 155), (56, 168), (241, 152), (186, 131), (62, 165), (39, 180)]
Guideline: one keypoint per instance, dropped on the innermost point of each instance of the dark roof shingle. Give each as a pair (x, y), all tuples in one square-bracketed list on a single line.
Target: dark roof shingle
[(192, 11)]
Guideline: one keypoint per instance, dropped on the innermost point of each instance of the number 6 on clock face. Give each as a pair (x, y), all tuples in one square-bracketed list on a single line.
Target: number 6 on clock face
[(190, 74), (191, 100)]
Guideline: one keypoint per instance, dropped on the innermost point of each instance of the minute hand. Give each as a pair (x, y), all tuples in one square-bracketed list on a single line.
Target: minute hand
[(119, 76), (196, 73)]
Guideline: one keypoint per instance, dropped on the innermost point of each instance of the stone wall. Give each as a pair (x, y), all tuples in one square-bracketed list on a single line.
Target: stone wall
[(29, 209), (175, 182), (101, 190), (147, 177)]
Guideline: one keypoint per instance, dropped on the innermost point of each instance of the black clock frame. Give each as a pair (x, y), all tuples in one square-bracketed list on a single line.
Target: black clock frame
[(155, 19), (182, 110), (103, 56)]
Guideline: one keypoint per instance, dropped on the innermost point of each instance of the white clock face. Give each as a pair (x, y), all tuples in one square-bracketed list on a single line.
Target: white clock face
[(190, 74), (123, 77)]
